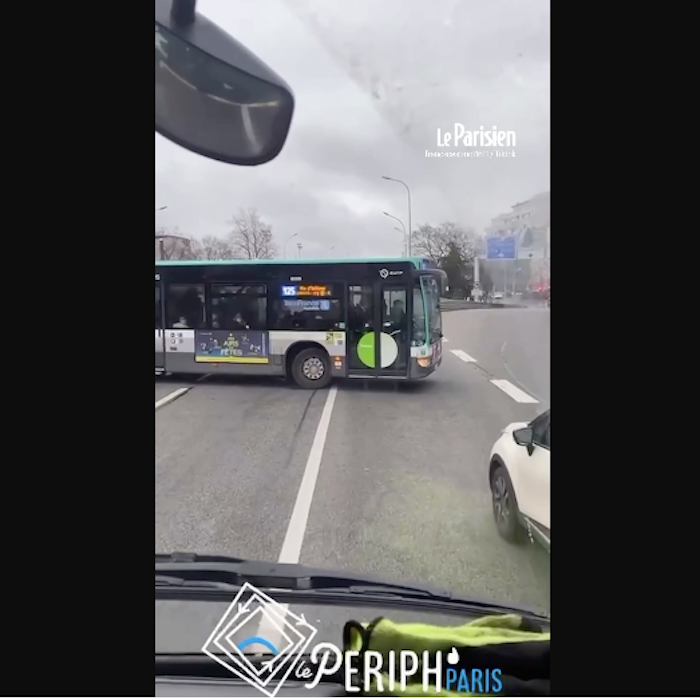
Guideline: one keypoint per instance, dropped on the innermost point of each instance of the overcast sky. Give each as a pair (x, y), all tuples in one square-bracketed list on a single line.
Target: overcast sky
[(373, 81)]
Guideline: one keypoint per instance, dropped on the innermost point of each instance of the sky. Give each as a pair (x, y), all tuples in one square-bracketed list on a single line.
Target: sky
[(373, 82)]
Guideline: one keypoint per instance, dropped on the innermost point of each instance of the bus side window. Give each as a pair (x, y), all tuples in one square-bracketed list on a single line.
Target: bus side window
[(308, 313), (184, 306), (159, 310), (236, 307)]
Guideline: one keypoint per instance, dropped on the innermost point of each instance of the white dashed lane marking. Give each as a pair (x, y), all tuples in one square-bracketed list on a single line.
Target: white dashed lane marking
[(462, 355), (508, 388), (175, 395), (513, 391), (171, 397)]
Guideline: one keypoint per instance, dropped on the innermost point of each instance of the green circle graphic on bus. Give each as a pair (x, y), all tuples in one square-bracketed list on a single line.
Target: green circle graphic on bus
[(389, 350)]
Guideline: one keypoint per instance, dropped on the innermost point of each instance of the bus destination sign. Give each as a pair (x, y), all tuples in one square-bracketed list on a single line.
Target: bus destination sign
[(306, 290)]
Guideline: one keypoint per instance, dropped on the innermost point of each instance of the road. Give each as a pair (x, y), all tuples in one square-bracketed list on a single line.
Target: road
[(401, 488), (509, 343)]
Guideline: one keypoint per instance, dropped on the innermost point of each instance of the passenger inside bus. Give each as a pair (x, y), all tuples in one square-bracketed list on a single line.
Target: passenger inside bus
[(225, 318), (185, 306), (360, 315), (398, 314), (239, 323)]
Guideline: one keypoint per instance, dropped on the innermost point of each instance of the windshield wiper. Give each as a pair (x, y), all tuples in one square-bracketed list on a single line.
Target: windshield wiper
[(179, 582), (200, 571)]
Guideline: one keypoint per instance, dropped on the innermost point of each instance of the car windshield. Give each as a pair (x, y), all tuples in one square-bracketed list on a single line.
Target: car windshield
[(349, 338)]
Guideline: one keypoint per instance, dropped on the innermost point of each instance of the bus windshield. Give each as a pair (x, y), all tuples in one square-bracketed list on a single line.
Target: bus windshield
[(431, 292)]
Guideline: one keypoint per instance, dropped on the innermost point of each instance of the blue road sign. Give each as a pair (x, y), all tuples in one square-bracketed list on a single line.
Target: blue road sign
[(501, 248)]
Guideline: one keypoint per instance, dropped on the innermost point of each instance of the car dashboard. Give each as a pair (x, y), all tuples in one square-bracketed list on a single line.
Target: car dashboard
[(234, 688)]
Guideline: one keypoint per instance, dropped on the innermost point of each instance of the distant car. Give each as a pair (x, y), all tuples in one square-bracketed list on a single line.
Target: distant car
[(519, 475), (498, 295)]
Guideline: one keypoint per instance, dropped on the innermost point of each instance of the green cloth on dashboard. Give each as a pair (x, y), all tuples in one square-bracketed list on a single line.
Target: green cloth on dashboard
[(517, 647)]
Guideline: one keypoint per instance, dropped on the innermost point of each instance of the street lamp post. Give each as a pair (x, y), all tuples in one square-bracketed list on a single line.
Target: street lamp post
[(395, 218), (284, 247), (410, 222), (396, 228)]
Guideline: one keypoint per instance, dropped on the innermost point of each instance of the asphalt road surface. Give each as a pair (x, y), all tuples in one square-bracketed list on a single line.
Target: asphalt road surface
[(511, 344), (379, 479)]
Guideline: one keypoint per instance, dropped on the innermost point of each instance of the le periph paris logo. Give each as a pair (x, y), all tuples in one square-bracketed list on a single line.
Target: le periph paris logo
[(254, 624)]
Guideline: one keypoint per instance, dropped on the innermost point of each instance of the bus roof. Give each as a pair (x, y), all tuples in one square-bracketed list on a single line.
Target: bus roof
[(418, 263)]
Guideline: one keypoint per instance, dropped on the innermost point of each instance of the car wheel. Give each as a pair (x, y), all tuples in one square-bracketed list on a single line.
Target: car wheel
[(311, 369), (505, 509)]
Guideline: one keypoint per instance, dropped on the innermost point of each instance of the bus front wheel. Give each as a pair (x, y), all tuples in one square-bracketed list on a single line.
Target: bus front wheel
[(311, 369)]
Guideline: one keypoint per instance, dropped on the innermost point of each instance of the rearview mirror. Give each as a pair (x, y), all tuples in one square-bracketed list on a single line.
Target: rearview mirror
[(213, 96), (525, 437)]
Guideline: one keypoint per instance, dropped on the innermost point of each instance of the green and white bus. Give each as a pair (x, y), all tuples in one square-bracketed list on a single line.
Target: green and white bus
[(309, 320)]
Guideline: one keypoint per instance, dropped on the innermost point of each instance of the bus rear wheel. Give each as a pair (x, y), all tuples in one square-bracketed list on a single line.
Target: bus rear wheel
[(311, 369)]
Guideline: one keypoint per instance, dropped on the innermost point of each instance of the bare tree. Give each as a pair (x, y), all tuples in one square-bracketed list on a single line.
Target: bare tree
[(211, 248), (436, 242), (427, 241), (251, 238)]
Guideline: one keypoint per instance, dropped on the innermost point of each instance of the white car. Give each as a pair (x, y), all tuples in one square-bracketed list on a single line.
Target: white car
[(519, 477)]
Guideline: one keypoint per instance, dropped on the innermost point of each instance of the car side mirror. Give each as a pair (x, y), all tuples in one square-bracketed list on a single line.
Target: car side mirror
[(525, 437)]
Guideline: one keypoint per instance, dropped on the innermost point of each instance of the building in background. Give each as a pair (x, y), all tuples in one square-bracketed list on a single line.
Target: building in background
[(171, 247), (529, 222)]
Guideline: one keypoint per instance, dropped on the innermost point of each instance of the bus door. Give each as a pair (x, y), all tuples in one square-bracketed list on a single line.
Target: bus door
[(395, 337), (378, 336), (160, 329)]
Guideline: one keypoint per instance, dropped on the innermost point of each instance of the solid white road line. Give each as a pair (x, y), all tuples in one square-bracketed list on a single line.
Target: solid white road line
[(296, 530), (291, 549), (513, 391), (171, 397), (462, 355)]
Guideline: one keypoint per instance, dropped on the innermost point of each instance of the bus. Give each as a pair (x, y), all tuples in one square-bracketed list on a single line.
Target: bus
[(306, 320)]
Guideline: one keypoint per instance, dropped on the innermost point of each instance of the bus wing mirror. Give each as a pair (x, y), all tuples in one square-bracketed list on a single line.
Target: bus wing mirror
[(213, 96), (443, 282)]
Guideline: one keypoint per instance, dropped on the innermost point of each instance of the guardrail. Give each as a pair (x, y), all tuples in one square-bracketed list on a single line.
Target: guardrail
[(462, 304)]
